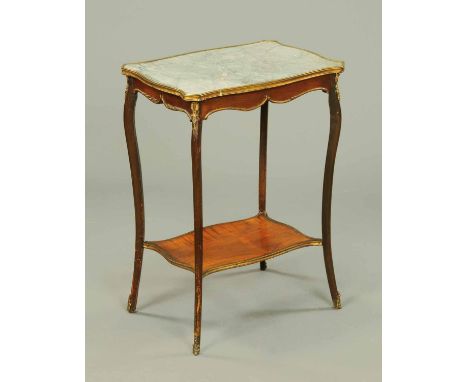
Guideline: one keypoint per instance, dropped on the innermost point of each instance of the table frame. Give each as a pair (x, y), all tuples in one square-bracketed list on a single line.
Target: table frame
[(198, 111)]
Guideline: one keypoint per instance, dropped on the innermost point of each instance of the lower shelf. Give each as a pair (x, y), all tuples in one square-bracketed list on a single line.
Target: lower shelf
[(234, 244)]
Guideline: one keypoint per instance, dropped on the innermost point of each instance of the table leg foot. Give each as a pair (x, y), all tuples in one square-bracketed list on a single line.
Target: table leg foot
[(196, 345), (131, 306), (337, 301)]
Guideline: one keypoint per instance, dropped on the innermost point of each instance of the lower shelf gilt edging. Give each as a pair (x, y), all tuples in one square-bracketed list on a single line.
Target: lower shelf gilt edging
[(234, 244)]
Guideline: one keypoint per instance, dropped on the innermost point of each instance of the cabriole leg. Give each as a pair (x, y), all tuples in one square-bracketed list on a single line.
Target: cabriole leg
[(135, 169), (197, 222), (262, 166), (335, 127)]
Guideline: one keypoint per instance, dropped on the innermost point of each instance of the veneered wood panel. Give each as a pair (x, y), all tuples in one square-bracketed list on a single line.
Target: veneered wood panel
[(233, 244), (255, 99)]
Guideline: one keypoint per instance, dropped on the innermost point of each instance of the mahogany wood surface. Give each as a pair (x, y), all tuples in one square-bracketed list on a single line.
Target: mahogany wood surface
[(137, 185), (243, 101), (197, 241), (233, 244), (171, 101), (262, 166), (255, 99), (333, 138)]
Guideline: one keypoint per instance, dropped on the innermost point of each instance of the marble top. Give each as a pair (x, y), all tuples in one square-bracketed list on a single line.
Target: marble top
[(231, 70)]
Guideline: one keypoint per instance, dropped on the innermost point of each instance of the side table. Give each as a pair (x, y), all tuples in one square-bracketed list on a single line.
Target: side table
[(243, 77)]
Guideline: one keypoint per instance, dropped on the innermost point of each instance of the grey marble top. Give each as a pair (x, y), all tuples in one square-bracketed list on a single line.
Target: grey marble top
[(231, 70)]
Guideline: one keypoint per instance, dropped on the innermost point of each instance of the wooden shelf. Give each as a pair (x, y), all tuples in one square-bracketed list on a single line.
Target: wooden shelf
[(234, 244)]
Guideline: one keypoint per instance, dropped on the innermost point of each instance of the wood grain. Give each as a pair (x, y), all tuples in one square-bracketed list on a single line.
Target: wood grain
[(243, 101), (137, 185), (333, 138), (197, 242), (262, 166), (234, 244), (253, 100)]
